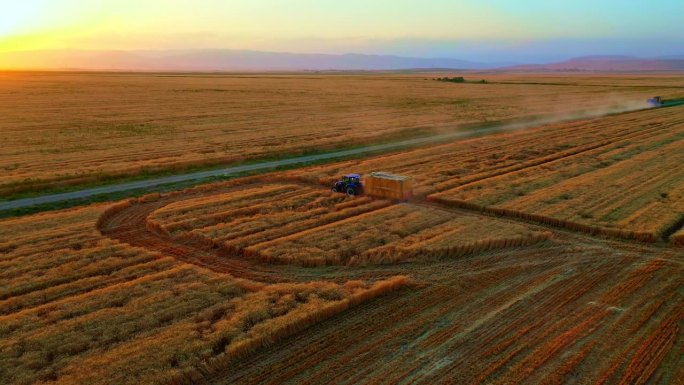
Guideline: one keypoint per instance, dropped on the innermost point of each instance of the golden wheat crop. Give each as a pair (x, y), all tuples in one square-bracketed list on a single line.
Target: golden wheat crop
[(273, 278), (308, 225), (630, 186), (69, 128), (78, 307)]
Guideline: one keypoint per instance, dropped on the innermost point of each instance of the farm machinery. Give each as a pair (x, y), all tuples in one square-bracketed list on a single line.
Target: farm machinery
[(350, 184), (657, 101), (381, 185)]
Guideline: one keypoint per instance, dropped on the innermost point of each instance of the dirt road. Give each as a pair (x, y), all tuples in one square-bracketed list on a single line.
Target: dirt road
[(303, 160)]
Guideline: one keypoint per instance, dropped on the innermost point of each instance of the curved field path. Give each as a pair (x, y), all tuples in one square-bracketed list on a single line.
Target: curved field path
[(129, 226), (573, 309)]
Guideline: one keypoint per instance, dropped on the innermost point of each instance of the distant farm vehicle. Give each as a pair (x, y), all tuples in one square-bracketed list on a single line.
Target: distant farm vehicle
[(658, 101), (350, 184), (655, 101)]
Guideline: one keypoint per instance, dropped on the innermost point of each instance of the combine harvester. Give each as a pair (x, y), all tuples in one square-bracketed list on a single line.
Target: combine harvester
[(377, 184), (657, 101)]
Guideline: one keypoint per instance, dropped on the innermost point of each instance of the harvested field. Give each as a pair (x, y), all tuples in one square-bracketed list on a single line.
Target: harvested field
[(516, 311), (553, 315), (393, 234), (255, 215), (520, 260), (618, 175), (632, 186), (438, 168), (78, 307), (106, 125), (288, 223)]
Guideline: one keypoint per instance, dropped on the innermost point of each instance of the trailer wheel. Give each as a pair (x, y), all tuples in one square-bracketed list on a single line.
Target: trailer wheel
[(351, 192)]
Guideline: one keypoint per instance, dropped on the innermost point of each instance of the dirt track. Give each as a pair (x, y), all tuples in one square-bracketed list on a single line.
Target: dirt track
[(470, 132)]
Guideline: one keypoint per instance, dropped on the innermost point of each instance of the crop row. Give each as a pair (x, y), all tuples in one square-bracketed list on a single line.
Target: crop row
[(393, 234), (539, 315), (678, 237), (441, 167), (311, 226), (78, 307), (616, 176), (639, 196)]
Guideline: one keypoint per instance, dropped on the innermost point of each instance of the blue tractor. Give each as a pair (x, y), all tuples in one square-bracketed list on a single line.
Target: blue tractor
[(655, 101), (350, 184)]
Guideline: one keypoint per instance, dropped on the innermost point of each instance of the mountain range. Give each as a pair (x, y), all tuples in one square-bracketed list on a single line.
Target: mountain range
[(222, 60), (608, 64), (244, 60)]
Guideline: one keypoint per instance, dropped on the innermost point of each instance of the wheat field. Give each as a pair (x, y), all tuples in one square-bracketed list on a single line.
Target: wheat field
[(549, 255), (617, 175), (77, 307), (61, 129)]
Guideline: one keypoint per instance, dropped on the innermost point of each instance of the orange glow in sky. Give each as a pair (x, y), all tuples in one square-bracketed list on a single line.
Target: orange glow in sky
[(435, 28)]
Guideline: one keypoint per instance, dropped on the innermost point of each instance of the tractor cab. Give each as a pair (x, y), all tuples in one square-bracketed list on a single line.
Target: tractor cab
[(655, 101), (350, 184)]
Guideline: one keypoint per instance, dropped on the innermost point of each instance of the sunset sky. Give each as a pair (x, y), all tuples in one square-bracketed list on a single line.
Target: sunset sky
[(535, 30)]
